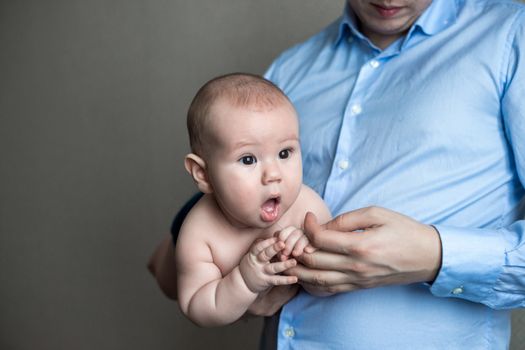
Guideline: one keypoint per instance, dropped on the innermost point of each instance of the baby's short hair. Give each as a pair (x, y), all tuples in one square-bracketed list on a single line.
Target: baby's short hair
[(238, 89)]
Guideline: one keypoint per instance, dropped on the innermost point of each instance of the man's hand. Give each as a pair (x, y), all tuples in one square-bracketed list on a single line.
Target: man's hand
[(388, 248), (270, 302)]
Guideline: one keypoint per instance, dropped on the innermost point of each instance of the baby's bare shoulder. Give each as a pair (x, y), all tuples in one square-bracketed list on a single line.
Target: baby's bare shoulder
[(206, 236), (199, 235), (310, 201), (307, 192), (203, 220), (307, 198)]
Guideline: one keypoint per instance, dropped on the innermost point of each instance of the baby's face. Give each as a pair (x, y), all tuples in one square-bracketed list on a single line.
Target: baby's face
[(254, 163)]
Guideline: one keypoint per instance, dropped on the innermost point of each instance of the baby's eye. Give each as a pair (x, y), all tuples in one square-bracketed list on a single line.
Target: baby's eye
[(285, 153), (248, 160)]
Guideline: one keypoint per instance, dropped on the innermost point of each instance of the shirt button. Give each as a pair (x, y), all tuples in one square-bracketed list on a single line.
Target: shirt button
[(356, 109), (350, 39), (289, 332), (457, 291), (374, 63), (342, 164)]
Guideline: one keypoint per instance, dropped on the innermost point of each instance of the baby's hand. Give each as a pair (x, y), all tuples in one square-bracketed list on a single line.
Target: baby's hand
[(295, 241), (257, 269)]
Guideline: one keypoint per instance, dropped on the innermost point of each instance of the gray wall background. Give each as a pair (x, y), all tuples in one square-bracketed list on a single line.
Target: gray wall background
[(93, 96)]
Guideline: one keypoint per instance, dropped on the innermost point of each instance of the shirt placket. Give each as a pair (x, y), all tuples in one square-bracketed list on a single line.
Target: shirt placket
[(356, 107)]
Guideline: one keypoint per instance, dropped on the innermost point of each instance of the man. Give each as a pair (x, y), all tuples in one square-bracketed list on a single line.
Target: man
[(415, 106)]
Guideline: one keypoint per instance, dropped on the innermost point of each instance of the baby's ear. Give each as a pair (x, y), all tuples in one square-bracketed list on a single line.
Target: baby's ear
[(196, 166)]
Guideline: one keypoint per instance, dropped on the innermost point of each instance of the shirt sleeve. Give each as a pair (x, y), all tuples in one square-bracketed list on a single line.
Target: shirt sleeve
[(483, 265)]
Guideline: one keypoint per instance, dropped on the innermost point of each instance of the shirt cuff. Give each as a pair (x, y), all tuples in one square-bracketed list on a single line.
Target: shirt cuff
[(472, 262)]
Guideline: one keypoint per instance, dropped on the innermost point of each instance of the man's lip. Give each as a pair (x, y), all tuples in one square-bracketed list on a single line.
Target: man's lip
[(386, 11)]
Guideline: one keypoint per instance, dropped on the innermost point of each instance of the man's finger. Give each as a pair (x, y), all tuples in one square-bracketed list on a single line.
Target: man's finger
[(278, 280), (319, 277), (324, 260), (320, 238), (339, 288), (360, 219), (311, 224), (279, 267), (341, 242)]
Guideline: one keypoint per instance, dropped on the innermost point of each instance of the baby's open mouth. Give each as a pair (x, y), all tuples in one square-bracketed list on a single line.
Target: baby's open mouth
[(270, 209)]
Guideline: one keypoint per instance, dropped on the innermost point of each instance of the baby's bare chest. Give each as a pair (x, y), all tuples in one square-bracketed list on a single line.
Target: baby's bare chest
[(228, 250), (229, 246)]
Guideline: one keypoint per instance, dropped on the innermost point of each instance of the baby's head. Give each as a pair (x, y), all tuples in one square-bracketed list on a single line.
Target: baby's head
[(244, 136), (237, 90)]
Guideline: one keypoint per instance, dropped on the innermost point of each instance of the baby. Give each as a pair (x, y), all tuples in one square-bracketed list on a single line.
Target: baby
[(242, 234)]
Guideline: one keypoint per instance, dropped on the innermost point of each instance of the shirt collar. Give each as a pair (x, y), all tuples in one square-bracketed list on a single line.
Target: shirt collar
[(348, 23), (437, 17)]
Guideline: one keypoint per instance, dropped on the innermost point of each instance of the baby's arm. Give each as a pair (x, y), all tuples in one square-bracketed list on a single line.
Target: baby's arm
[(210, 299)]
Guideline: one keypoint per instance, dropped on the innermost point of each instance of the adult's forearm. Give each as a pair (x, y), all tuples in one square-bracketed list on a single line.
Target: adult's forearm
[(162, 266)]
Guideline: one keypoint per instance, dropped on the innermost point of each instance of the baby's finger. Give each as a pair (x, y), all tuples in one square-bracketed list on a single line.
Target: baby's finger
[(278, 267), (285, 232), (292, 240), (282, 257), (260, 245), (300, 245), (269, 252)]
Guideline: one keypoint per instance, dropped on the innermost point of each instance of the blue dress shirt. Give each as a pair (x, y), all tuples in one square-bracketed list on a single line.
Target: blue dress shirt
[(432, 127)]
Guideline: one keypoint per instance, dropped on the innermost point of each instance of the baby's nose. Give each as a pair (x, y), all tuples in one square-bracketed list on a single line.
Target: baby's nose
[(271, 173)]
